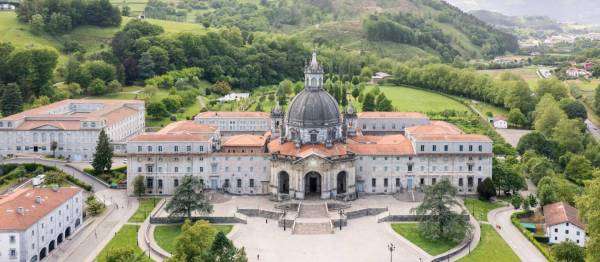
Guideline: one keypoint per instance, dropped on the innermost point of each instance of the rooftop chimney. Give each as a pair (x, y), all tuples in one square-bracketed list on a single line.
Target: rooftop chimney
[(38, 199)]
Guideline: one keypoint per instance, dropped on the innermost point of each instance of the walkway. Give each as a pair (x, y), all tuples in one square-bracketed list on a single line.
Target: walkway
[(513, 237), (85, 245)]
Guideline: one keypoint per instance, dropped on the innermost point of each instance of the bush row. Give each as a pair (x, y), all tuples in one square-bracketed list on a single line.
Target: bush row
[(514, 218)]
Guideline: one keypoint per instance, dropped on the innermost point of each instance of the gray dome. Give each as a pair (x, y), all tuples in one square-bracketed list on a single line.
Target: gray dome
[(315, 108)]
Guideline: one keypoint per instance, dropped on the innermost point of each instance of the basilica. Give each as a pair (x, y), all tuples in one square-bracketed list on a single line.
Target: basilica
[(312, 149)]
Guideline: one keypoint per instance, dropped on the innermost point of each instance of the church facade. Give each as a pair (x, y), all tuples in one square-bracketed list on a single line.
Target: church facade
[(312, 149)]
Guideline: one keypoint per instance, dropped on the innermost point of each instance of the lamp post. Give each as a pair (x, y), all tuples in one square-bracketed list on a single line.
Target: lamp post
[(391, 248), (284, 214)]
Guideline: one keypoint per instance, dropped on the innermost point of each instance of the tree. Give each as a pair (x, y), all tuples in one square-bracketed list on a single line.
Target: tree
[(54, 178), (516, 201), (552, 86), (437, 220), (96, 87), (94, 207), (126, 10), (573, 108), (355, 91), (537, 142), (505, 177), (579, 168), (221, 88), (37, 24), (113, 86), (597, 101), (223, 250), (516, 118), (139, 187), (547, 115), (32, 69), (103, 157), (156, 109), (568, 251), (12, 102), (124, 254), (368, 103), (486, 189), (568, 134), (383, 104), (189, 197), (59, 23), (546, 191), (588, 204), (194, 242), (53, 147), (532, 200)]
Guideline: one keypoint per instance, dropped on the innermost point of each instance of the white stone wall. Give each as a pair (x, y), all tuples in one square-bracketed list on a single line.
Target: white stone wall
[(566, 232), (78, 145), (30, 242), (385, 125), (127, 127), (231, 125)]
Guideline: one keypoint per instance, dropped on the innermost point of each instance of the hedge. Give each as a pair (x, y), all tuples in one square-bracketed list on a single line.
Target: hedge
[(514, 218), (31, 167)]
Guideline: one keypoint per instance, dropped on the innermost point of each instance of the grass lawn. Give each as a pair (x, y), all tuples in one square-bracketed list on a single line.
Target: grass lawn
[(146, 206), (126, 237), (480, 208), (416, 100), (529, 74), (491, 248), (411, 233), (165, 235)]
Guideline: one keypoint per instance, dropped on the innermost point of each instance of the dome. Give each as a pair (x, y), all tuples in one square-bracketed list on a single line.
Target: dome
[(313, 108)]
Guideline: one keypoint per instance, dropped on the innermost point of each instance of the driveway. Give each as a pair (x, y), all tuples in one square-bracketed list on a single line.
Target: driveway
[(89, 241), (363, 240), (513, 237), (593, 129), (512, 136)]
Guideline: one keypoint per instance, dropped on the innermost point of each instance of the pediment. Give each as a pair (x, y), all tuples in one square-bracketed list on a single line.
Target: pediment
[(47, 127)]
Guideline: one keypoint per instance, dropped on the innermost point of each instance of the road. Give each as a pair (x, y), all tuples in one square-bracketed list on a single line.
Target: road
[(513, 237), (89, 241), (593, 129)]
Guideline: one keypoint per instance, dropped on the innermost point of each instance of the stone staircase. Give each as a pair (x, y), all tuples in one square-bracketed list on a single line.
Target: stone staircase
[(312, 219)]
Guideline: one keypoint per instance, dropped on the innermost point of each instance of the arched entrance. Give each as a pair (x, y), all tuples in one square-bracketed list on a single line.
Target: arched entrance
[(312, 184), (284, 182), (59, 239), (342, 182), (42, 253), (68, 232), (51, 246), (34, 258)]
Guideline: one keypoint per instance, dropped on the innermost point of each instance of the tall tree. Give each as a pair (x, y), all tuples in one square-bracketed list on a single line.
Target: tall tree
[(437, 220), (195, 242), (597, 100), (189, 197), (383, 104), (12, 102), (223, 250), (568, 251), (103, 157), (368, 103), (124, 254), (547, 115), (588, 204), (139, 188)]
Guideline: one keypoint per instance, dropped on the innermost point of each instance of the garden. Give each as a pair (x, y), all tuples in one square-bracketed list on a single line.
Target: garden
[(165, 235), (13, 174), (116, 176)]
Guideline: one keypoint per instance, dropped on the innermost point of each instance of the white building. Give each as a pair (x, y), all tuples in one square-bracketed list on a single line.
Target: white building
[(35, 221), (235, 123), (312, 150), (574, 72), (563, 224), (378, 77), (73, 124), (500, 122), (233, 97)]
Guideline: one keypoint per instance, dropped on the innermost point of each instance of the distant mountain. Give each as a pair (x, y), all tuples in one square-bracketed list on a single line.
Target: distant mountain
[(581, 11), (505, 21)]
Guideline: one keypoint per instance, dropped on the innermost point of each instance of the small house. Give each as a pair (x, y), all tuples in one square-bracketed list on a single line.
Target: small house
[(574, 72), (378, 77), (500, 122), (562, 224)]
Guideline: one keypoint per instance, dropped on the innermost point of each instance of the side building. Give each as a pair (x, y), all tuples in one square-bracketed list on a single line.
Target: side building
[(36, 221), (236, 123), (74, 125)]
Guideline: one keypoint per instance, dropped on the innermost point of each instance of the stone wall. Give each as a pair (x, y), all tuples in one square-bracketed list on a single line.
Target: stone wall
[(212, 220), (405, 218), (260, 213), (365, 212)]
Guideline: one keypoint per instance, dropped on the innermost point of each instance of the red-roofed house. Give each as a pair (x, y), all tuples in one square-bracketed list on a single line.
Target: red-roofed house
[(563, 224)]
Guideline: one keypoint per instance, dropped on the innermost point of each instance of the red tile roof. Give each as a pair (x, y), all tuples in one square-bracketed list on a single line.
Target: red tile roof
[(561, 212), (187, 126), (380, 145), (452, 137), (25, 198), (289, 149), (60, 124), (245, 140), (180, 131), (435, 127), (226, 114)]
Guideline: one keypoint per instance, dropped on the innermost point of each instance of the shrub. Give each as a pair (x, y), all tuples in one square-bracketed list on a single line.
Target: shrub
[(486, 189)]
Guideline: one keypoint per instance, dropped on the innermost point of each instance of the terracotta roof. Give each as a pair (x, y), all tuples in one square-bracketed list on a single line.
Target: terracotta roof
[(226, 114), (498, 118), (380, 145), (435, 127), (118, 115), (452, 137), (245, 140), (187, 126), (561, 212), (60, 124), (171, 137), (25, 198), (289, 149), (391, 115)]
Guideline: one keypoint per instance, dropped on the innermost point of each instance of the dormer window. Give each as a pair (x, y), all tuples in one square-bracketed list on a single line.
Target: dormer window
[(313, 138)]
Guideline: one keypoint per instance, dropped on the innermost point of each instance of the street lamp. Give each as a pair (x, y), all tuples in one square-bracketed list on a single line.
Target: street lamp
[(284, 214), (391, 248), (341, 212)]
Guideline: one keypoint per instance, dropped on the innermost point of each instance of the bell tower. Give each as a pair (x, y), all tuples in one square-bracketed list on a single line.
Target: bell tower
[(313, 74)]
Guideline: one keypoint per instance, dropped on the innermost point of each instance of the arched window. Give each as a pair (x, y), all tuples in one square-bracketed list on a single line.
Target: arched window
[(313, 81)]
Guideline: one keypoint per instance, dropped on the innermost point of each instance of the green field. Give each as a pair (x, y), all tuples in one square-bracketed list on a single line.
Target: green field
[(411, 233), (529, 74), (491, 248), (126, 237), (479, 208), (146, 206), (165, 235), (416, 100)]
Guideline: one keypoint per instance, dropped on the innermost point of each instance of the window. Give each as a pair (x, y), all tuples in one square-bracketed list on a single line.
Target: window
[(422, 181), (397, 182), (239, 183), (578, 233), (434, 148), (176, 148), (313, 138), (446, 148), (567, 231), (479, 168), (12, 253), (176, 182), (149, 148), (460, 148), (13, 239), (373, 182), (149, 169), (159, 148), (410, 167), (139, 148), (470, 148), (176, 169), (139, 169), (385, 182), (460, 182), (189, 169), (480, 147), (422, 148), (160, 184), (201, 148), (251, 182), (433, 180), (188, 148), (470, 168)]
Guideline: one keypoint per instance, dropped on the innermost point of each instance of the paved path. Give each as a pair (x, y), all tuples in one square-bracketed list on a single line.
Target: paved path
[(363, 240), (513, 237), (86, 244), (593, 129)]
